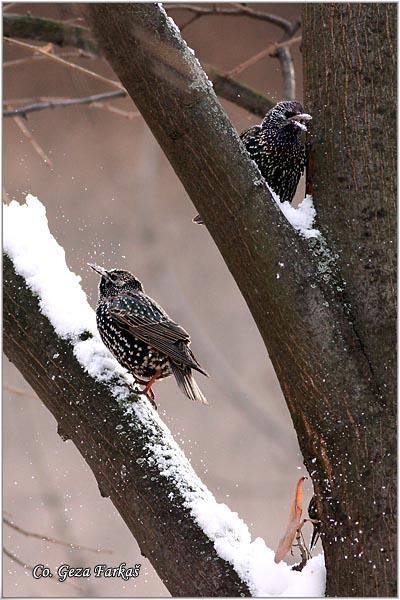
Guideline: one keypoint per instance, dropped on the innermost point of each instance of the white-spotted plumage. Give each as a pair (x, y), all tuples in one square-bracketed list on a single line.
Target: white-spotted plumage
[(277, 149), (140, 334)]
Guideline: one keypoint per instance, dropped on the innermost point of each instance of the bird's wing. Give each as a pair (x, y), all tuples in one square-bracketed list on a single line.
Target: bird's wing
[(162, 334), (250, 132)]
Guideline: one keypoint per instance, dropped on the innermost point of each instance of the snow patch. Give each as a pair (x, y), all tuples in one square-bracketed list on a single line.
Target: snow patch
[(253, 561), (301, 218), (41, 261)]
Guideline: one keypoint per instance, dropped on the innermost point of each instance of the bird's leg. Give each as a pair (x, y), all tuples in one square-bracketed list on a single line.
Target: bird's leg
[(147, 388)]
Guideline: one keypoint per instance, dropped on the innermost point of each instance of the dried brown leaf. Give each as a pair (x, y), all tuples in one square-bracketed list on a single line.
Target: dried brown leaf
[(294, 522)]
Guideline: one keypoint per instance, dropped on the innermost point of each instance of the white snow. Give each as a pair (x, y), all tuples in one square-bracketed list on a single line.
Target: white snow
[(39, 258), (300, 218), (41, 261)]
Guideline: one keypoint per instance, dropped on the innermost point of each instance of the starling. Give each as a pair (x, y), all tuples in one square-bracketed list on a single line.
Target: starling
[(276, 148), (141, 336), (314, 518)]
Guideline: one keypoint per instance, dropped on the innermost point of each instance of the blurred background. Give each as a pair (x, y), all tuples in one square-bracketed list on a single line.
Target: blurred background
[(112, 198)]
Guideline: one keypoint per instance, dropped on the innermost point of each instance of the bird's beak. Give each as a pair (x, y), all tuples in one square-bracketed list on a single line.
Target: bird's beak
[(298, 120), (99, 270)]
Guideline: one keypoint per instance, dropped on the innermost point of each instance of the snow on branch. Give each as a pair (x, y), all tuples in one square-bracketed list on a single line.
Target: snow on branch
[(40, 260), (301, 218)]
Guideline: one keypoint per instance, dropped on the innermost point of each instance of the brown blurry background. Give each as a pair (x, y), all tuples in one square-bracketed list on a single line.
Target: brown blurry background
[(112, 198)]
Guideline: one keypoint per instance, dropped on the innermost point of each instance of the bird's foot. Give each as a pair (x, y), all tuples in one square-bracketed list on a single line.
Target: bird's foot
[(147, 391)]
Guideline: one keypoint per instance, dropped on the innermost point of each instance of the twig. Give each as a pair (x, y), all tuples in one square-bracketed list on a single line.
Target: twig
[(62, 61), (62, 34), (21, 125), (238, 11), (17, 560), (284, 56), (288, 75), (130, 115), (239, 93), (305, 555), (268, 51), (189, 22), (16, 391), (29, 59), (60, 103), (45, 538)]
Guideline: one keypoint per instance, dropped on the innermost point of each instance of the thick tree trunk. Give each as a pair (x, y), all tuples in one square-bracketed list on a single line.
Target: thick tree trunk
[(350, 77), (344, 421)]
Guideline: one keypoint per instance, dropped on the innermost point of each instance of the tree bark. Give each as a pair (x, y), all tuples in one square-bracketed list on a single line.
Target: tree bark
[(350, 89), (117, 446), (344, 422)]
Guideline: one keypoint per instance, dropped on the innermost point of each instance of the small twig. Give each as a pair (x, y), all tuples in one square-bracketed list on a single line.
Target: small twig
[(29, 59), (130, 115), (16, 391), (189, 22), (17, 560), (62, 61), (45, 538), (284, 56), (303, 550), (288, 75), (60, 103), (22, 127), (268, 51), (238, 11), (63, 34)]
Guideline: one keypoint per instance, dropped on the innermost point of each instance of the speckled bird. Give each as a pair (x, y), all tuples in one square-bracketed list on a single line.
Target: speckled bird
[(276, 147), (141, 336)]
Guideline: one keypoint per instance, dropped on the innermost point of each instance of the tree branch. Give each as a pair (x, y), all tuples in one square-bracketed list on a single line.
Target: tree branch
[(239, 10), (61, 61), (64, 34), (61, 103), (271, 50), (284, 56), (122, 442), (52, 540), (47, 30), (31, 139)]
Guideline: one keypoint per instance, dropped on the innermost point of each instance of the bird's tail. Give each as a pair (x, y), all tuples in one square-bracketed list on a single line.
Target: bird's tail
[(315, 535), (187, 384)]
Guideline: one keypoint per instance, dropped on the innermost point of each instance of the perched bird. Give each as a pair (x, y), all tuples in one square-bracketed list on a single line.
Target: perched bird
[(277, 149), (314, 518), (141, 336)]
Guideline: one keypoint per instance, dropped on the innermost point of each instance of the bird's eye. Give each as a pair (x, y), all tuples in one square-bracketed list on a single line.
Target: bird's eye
[(290, 114)]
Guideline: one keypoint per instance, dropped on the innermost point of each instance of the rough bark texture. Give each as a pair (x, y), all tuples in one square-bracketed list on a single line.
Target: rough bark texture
[(114, 445), (344, 423), (350, 77)]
